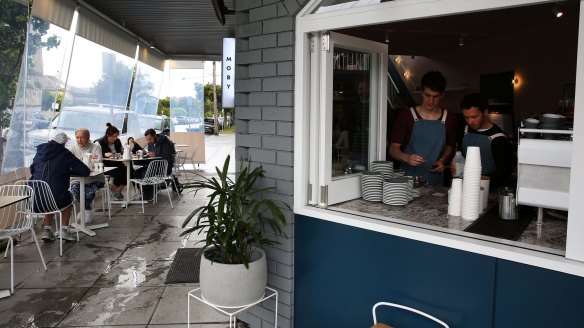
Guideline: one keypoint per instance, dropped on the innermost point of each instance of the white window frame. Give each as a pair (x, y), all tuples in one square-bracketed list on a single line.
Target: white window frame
[(307, 24), (343, 188)]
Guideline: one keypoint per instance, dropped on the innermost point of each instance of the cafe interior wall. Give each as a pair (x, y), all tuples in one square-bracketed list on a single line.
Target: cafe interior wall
[(543, 58)]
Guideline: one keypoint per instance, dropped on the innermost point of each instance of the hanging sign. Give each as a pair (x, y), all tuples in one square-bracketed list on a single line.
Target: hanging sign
[(228, 76)]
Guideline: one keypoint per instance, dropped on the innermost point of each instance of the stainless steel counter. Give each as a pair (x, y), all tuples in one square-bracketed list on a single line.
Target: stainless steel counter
[(430, 211)]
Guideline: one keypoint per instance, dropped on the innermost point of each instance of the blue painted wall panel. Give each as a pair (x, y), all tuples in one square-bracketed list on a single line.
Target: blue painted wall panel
[(533, 297), (341, 271)]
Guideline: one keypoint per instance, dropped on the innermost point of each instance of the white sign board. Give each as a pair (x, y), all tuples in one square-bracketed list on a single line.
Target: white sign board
[(228, 76)]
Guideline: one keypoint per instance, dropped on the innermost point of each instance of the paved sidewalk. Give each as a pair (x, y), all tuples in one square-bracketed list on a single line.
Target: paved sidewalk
[(216, 150)]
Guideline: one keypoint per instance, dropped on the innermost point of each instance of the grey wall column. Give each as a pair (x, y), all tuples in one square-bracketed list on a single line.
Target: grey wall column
[(264, 112)]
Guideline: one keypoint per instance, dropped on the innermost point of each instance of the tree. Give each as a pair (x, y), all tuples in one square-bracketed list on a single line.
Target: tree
[(115, 74), (13, 33), (164, 107), (14, 17), (209, 99)]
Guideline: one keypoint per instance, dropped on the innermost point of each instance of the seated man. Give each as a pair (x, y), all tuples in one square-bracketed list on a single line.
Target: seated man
[(54, 164), (158, 146), (497, 158), (92, 185)]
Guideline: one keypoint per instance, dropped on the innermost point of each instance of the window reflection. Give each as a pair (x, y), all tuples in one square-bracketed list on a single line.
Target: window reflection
[(187, 100), (350, 130), (99, 83), (144, 101), (334, 5), (38, 89)]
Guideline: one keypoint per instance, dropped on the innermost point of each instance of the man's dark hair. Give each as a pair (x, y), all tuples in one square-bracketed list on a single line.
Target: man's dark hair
[(150, 132), (474, 100), (434, 81)]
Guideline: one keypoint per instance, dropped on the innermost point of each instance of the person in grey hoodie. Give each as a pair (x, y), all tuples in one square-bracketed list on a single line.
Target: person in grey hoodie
[(54, 164)]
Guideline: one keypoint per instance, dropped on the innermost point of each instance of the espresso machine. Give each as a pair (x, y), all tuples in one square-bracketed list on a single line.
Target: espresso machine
[(543, 171)]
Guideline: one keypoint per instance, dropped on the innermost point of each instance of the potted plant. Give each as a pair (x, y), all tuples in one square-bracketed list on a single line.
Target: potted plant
[(237, 223)]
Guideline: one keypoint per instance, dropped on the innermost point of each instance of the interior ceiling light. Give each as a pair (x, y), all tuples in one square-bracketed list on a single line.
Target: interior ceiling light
[(558, 12), (461, 41), (386, 37), (151, 44)]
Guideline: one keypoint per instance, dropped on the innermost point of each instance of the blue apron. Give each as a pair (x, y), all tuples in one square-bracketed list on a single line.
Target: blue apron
[(488, 165), (428, 140)]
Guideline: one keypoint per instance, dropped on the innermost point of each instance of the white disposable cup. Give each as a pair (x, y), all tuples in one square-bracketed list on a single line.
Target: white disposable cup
[(485, 183), (471, 188), (473, 158), (455, 198)]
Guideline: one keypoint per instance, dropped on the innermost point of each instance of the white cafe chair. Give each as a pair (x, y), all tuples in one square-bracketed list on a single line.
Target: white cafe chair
[(155, 175), (181, 161), (44, 203), (14, 220), (407, 309)]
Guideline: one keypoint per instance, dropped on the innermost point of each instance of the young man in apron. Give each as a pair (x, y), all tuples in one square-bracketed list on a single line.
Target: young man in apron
[(424, 136), (497, 156)]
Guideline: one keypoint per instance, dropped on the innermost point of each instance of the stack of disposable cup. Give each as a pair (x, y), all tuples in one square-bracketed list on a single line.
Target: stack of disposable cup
[(471, 185), (485, 182), (481, 200), (455, 197)]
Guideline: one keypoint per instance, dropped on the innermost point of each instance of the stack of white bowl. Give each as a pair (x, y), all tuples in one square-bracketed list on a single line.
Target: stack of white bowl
[(471, 184), (396, 191), (384, 167), (455, 197), (530, 123), (553, 122), (372, 186), (411, 182), (398, 173)]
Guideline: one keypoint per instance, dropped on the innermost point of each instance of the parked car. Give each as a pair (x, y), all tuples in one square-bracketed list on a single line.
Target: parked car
[(210, 125), (40, 121), (160, 123), (94, 118)]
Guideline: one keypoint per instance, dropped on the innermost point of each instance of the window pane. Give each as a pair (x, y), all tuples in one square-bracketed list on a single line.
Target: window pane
[(334, 5), (350, 133), (13, 16), (38, 86), (187, 101), (144, 101), (98, 84)]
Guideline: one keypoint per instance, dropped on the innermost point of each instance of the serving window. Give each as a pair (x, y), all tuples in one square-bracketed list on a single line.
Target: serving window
[(327, 102)]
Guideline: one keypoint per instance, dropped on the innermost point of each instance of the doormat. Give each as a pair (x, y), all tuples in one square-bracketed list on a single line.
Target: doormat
[(490, 224), (185, 266)]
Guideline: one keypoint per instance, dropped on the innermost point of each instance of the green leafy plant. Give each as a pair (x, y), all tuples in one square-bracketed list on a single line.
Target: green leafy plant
[(235, 220)]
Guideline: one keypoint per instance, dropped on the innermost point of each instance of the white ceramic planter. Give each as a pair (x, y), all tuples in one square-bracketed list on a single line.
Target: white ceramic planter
[(232, 285)]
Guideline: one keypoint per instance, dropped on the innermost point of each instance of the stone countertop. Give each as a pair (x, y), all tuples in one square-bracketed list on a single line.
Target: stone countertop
[(430, 211)]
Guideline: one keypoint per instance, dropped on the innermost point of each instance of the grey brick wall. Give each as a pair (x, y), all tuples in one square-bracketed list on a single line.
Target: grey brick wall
[(265, 129)]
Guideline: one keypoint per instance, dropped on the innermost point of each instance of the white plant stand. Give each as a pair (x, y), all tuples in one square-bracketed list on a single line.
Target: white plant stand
[(230, 310)]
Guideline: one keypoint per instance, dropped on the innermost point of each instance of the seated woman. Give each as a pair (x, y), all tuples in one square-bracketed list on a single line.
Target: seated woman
[(110, 145), (134, 146), (92, 185)]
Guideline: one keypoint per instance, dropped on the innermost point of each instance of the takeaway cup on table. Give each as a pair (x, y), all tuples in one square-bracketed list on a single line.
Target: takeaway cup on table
[(455, 197)]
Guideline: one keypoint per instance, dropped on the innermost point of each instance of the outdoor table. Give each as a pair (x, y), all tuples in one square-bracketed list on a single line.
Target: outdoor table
[(4, 202), (81, 226)]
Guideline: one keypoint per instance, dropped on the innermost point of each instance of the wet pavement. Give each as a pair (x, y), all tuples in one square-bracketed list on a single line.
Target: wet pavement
[(115, 278)]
